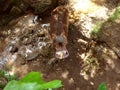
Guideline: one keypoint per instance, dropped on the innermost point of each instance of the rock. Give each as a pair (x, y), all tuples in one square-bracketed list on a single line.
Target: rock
[(14, 8), (41, 7), (26, 39), (110, 34)]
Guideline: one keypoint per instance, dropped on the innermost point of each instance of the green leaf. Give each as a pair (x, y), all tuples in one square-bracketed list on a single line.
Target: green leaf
[(96, 29), (52, 84), (115, 15), (33, 77), (29, 86), (49, 89), (2, 72), (32, 81), (14, 85), (11, 85), (102, 86)]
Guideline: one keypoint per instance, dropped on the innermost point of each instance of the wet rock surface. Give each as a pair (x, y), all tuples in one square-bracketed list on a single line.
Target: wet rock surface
[(25, 38), (15, 8), (110, 35)]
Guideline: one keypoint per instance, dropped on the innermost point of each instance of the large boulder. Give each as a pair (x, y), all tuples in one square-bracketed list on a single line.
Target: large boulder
[(14, 8), (110, 34)]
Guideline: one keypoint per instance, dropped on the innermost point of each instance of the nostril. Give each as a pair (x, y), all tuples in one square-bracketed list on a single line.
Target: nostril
[(66, 53)]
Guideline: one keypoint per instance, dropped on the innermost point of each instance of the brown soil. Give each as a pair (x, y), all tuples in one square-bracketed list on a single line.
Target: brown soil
[(68, 70)]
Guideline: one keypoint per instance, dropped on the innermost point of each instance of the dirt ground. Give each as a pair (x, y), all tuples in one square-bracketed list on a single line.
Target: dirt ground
[(69, 70)]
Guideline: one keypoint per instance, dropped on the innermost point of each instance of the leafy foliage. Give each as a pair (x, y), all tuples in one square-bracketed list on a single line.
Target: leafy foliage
[(6, 75), (32, 81), (102, 86), (96, 29), (115, 15)]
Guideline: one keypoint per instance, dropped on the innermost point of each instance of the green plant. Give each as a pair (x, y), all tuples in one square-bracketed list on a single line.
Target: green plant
[(96, 29), (115, 15), (102, 86), (7, 75), (32, 81)]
